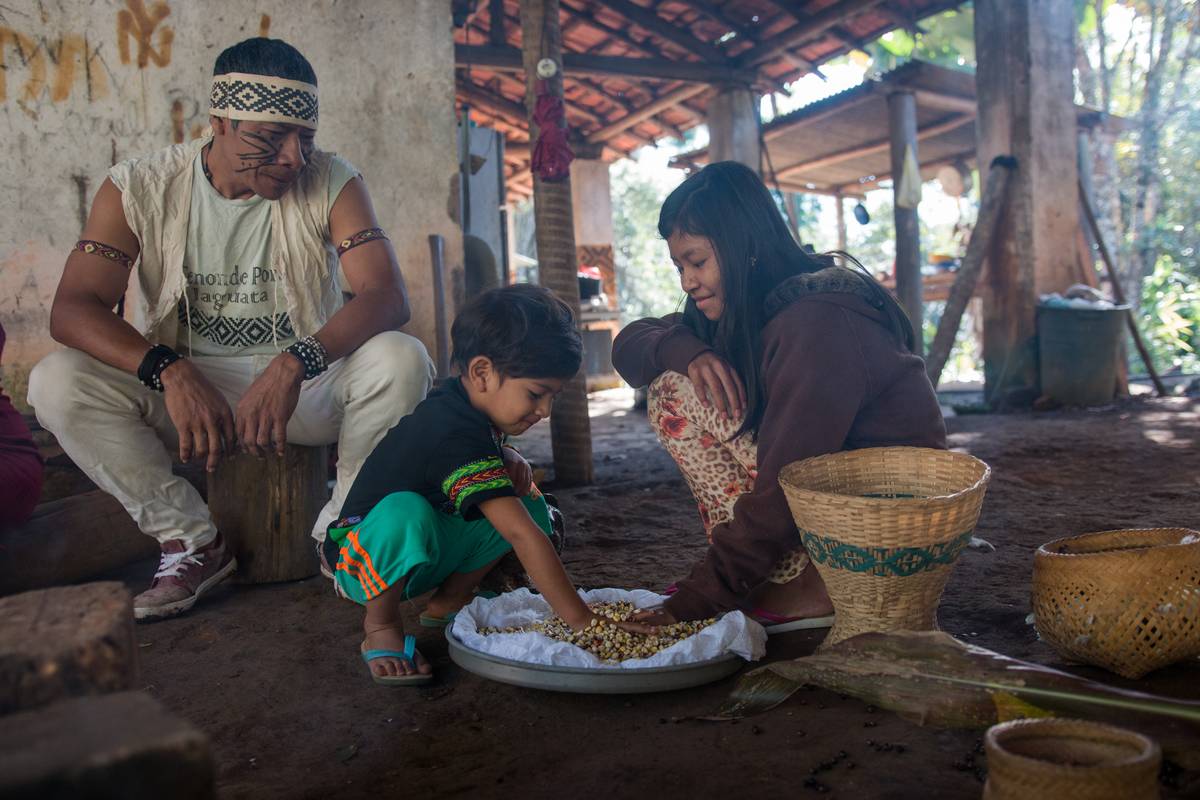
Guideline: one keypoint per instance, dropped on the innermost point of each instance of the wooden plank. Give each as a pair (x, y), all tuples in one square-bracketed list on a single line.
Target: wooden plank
[(819, 23), (68, 540), (991, 210), (265, 508), (63, 642), (509, 59), (121, 745)]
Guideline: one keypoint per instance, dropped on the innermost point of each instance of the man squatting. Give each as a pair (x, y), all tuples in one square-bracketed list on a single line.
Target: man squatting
[(277, 357)]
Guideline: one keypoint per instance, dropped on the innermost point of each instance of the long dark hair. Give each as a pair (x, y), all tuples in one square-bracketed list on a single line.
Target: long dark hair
[(729, 205)]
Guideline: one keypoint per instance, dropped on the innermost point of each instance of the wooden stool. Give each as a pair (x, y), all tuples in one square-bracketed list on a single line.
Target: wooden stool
[(120, 745), (265, 508), (65, 642)]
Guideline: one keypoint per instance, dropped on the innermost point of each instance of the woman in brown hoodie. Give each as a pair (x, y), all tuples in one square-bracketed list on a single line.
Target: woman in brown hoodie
[(778, 356)]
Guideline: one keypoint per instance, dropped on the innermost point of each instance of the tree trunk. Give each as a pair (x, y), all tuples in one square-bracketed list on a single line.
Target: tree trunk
[(570, 428)]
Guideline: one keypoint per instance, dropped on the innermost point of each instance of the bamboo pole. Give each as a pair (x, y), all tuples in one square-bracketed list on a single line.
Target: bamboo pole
[(1119, 291), (570, 427), (991, 209)]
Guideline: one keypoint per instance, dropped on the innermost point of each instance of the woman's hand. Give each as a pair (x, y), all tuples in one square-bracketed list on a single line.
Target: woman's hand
[(653, 617), (519, 471), (715, 378)]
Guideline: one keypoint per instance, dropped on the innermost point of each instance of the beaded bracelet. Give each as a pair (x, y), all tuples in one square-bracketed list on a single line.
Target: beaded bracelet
[(312, 356), (157, 358)]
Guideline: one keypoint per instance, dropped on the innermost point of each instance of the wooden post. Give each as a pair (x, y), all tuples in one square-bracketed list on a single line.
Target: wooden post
[(66, 642), (841, 221), (265, 509), (570, 427), (1025, 52), (902, 125), (991, 208), (733, 127)]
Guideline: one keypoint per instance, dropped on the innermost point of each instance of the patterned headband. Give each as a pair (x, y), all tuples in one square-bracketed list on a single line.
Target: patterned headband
[(264, 98)]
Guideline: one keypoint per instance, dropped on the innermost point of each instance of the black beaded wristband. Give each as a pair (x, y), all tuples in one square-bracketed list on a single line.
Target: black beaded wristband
[(311, 354), (155, 361)]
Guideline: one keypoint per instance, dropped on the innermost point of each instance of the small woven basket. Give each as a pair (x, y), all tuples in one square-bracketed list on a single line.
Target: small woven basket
[(884, 527), (1126, 600), (1068, 759)]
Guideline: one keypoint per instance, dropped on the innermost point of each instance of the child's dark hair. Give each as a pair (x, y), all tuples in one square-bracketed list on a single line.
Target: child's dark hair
[(262, 56), (525, 330)]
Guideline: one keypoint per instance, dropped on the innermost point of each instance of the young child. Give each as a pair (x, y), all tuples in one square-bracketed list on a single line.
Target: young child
[(441, 499)]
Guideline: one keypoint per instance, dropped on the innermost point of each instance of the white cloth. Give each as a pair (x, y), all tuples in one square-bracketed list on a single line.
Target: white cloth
[(118, 431), (232, 304), (733, 633)]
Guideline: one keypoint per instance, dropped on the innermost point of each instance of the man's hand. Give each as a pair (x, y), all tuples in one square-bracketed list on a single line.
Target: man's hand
[(264, 411), (714, 377), (653, 617), (200, 414), (519, 470)]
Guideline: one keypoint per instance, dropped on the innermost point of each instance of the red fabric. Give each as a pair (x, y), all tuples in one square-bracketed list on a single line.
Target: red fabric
[(20, 464), (552, 156)]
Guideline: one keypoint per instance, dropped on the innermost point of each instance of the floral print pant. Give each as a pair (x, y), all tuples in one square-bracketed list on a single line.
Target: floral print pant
[(718, 469)]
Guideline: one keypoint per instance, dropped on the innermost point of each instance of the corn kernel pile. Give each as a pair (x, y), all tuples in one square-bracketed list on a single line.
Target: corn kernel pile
[(606, 640)]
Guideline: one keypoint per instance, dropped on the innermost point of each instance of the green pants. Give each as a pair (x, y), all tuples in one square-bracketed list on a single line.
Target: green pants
[(406, 537)]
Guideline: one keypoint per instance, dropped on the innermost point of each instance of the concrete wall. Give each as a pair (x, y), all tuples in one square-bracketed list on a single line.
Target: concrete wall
[(84, 84)]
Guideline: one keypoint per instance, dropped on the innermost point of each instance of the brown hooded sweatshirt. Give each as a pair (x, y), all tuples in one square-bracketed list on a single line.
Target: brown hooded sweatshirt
[(834, 378)]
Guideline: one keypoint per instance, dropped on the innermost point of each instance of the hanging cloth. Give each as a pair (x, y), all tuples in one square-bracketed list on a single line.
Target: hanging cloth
[(552, 156), (908, 188)]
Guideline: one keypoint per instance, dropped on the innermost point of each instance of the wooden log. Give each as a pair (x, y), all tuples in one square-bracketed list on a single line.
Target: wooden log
[(65, 642), (265, 508), (990, 212), (902, 124), (117, 746), (69, 540), (1119, 291)]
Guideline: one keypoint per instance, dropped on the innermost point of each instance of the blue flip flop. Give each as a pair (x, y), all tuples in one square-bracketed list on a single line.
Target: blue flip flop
[(440, 622), (410, 650)]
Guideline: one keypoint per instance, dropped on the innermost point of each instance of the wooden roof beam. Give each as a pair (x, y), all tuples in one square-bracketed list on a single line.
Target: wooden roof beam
[(710, 10), (645, 112), (800, 15), (625, 107), (621, 36), (508, 59), (497, 33), (816, 25), (646, 19), (872, 148)]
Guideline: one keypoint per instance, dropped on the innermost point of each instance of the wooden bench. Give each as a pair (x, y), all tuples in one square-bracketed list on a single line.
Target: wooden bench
[(266, 507)]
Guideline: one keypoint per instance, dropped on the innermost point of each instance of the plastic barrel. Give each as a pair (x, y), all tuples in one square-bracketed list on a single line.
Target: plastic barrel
[(1077, 349)]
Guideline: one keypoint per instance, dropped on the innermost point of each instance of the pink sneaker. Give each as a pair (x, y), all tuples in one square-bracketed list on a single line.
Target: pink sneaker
[(182, 577)]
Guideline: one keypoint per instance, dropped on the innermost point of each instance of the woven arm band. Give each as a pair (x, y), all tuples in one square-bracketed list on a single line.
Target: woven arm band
[(362, 237), (155, 361), (104, 251)]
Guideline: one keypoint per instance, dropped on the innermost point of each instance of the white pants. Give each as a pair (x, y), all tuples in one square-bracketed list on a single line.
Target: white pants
[(118, 431)]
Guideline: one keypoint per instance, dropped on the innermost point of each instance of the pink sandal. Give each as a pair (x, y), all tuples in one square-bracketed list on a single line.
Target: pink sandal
[(775, 623)]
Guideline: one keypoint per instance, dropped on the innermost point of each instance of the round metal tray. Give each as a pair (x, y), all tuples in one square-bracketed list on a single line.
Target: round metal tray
[(590, 681)]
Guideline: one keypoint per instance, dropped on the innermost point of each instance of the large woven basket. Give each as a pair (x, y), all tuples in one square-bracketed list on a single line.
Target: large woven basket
[(884, 527), (1126, 600), (1068, 759)]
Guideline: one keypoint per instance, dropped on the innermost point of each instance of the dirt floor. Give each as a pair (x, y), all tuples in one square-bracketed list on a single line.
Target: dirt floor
[(272, 674)]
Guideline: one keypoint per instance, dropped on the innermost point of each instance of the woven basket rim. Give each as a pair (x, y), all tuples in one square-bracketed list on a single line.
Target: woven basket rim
[(985, 476), (1065, 726), (1047, 549)]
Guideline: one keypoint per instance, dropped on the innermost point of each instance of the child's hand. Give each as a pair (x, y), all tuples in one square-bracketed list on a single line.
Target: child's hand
[(519, 471)]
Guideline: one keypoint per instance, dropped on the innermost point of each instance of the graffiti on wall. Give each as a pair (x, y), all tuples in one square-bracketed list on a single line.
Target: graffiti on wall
[(139, 24), (53, 67)]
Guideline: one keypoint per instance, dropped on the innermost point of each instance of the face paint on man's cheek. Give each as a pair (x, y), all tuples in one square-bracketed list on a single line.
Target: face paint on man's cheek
[(262, 151)]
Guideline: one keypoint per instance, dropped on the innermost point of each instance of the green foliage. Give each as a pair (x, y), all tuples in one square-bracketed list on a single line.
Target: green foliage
[(647, 284), (947, 39), (1171, 299)]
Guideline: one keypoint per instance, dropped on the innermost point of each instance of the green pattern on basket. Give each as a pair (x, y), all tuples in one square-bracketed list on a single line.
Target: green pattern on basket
[(881, 561)]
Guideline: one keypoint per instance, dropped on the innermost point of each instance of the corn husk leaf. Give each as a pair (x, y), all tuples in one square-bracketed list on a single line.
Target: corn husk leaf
[(931, 678)]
